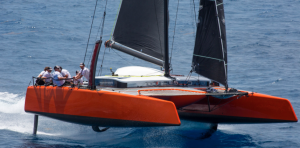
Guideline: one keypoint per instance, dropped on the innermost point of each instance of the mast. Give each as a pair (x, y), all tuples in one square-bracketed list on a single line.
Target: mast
[(166, 39), (93, 66)]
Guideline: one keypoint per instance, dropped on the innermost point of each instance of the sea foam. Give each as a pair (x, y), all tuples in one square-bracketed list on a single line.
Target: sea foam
[(11, 103)]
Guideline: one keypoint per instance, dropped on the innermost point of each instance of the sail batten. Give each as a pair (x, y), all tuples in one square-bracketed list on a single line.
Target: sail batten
[(210, 52)]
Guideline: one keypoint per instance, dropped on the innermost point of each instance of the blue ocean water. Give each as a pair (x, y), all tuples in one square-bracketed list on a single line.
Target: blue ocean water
[(263, 38)]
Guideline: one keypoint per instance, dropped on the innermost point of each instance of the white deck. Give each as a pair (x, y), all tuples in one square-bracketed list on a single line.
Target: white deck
[(135, 76)]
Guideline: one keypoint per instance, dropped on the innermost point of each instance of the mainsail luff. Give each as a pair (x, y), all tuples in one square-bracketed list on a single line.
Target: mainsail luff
[(140, 26), (210, 52), (166, 39)]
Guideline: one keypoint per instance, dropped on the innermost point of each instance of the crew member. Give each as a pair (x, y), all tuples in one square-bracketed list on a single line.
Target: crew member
[(40, 81), (58, 78), (65, 73), (47, 76), (83, 72), (41, 74), (79, 81)]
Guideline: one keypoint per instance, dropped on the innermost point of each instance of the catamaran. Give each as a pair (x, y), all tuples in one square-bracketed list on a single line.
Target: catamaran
[(145, 97)]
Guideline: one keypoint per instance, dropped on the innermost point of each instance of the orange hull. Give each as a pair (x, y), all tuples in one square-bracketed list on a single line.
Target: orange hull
[(113, 109), (254, 108), (99, 108)]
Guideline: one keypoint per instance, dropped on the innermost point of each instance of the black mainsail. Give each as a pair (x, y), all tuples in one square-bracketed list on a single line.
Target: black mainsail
[(210, 52), (139, 30)]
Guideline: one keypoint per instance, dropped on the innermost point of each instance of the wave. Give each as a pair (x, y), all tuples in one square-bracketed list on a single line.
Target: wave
[(14, 118), (11, 103)]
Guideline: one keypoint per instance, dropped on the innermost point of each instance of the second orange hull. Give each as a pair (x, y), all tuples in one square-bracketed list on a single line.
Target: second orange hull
[(99, 108), (254, 108)]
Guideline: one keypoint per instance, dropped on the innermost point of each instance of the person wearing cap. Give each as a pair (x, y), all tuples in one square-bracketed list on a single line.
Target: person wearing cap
[(65, 73), (79, 81), (58, 78), (47, 76), (83, 72)]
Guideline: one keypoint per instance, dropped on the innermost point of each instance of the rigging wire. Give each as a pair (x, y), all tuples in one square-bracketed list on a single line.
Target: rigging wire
[(190, 73), (103, 17), (111, 34), (188, 77), (100, 26), (95, 41), (100, 70), (101, 34), (195, 13), (193, 16), (110, 38), (112, 30), (174, 34), (122, 57), (87, 45)]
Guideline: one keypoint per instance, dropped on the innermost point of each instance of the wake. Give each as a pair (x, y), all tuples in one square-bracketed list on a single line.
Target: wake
[(14, 118), (11, 103)]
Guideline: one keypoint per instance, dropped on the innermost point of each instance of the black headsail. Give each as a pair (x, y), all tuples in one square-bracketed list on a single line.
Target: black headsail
[(210, 53), (139, 30)]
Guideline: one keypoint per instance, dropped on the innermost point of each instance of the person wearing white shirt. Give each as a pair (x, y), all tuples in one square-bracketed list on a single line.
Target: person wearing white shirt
[(40, 81), (47, 76), (83, 72), (79, 81), (65, 73), (45, 69), (58, 78), (41, 74)]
